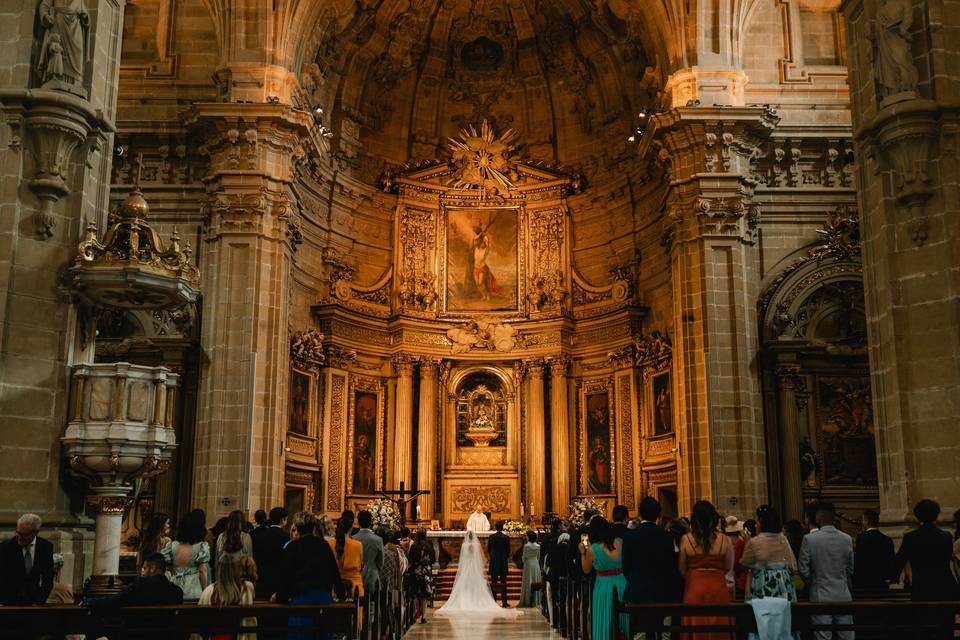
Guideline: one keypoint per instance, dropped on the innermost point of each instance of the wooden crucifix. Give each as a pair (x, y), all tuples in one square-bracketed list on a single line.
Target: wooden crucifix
[(401, 497)]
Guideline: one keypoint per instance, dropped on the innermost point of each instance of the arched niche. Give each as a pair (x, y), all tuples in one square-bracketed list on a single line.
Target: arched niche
[(466, 386), (819, 421)]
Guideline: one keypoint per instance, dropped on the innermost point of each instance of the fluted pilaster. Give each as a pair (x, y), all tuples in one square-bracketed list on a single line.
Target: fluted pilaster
[(403, 426), (427, 440), (536, 451), (559, 435)]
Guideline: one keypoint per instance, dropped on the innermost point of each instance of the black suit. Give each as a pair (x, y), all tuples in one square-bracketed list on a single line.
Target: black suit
[(498, 548), (649, 565), (142, 592), (16, 587), (928, 550), (308, 565), (873, 561), (268, 545)]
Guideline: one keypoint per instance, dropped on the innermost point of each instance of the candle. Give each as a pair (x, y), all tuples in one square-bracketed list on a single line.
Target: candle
[(532, 513), (418, 512), (521, 510)]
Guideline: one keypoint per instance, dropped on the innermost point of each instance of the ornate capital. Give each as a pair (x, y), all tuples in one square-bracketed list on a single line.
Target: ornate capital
[(429, 367), (109, 505), (534, 368), (791, 378), (558, 365), (403, 364)]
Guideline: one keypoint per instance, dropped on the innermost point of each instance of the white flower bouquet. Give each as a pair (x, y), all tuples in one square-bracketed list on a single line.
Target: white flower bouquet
[(385, 514), (579, 506), (515, 526)]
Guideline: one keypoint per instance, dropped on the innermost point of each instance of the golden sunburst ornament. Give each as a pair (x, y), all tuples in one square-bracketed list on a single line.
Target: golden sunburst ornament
[(482, 159)]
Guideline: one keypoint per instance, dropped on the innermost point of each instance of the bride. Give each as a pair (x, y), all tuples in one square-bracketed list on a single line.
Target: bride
[(471, 593)]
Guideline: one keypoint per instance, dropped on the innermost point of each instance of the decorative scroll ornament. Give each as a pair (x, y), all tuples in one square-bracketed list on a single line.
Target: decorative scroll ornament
[(654, 351), (481, 159), (131, 268), (306, 349), (840, 236), (483, 333), (493, 499)]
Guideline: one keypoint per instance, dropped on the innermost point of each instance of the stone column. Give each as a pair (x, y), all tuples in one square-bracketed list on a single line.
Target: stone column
[(710, 234), (403, 430), (251, 226), (536, 459), (559, 435), (427, 440), (906, 116), (106, 546), (792, 393)]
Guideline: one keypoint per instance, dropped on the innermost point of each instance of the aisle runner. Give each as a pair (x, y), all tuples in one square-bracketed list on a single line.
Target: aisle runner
[(527, 627)]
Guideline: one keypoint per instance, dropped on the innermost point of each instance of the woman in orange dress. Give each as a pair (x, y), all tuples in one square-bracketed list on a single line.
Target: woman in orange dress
[(706, 557), (348, 552)]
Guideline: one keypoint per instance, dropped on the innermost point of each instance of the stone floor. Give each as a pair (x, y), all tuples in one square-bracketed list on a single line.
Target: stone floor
[(529, 626)]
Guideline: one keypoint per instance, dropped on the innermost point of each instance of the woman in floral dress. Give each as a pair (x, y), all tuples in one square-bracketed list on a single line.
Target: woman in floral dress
[(422, 558), (769, 561)]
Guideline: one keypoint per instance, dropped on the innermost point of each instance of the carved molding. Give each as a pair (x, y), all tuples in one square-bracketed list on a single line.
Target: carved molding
[(653, 353), (494, 499), (306, 350)]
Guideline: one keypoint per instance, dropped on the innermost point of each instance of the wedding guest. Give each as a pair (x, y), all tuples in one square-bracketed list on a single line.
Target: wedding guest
[(372, 553), (405, 540), (260, 518), (648, 559), (529, 595), (603, 555), (349, 554), (706, 557), (734, 530), (151, 588), (187, 556), (26, 564), (310, 573), (62, 592), (620, 515), (874, 558), (769, 561), (155, 537), (268, 543), (421, 558), (929, 551), (826, 564), (230, 588), (234, 541)]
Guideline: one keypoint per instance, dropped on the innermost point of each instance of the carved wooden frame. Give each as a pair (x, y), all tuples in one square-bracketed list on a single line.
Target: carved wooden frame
[(367, 385), (303, 447), (519, 210), (584, 388)]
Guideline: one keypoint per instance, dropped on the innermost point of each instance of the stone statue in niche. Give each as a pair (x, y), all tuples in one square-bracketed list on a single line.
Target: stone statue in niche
[(893, 61), (64, 48)]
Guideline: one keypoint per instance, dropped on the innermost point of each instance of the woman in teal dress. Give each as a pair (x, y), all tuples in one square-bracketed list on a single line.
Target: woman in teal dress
[(530, 597), (769, 561), (188, 556), (604, 556)]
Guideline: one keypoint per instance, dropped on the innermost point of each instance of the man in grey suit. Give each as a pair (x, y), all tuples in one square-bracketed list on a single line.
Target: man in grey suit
[(372, 553), (826, 563)]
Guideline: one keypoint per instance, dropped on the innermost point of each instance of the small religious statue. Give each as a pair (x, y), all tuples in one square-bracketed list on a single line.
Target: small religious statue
[(895, 70), (478, 521), (63, 51)]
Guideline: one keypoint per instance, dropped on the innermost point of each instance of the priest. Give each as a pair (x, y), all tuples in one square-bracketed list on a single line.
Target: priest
[(478, 521)]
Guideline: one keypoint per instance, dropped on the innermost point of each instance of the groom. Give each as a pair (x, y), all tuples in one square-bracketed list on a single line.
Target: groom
[(498, 548)]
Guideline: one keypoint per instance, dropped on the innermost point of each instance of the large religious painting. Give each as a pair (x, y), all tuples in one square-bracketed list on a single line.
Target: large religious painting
[(366, 420), (662, 405), (300, 402), (596, 437), (846, 431), (482, 261)]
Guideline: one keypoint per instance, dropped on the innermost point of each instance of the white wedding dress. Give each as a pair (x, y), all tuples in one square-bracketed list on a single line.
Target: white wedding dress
[(471, 594)]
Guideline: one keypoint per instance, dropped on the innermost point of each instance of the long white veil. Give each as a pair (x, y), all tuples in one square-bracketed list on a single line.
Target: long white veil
[(471, 593)]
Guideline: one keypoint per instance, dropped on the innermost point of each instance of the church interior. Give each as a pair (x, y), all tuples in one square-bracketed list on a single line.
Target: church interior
[(507, 253)]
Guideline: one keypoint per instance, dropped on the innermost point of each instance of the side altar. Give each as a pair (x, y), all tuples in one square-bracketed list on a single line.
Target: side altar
[(446, 545)]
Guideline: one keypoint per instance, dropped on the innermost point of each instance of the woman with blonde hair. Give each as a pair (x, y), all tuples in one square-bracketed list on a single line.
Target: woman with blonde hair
[(230, 588)]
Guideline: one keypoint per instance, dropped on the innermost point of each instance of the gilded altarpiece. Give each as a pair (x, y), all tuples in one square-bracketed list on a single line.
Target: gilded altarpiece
[(366, 446), (596, 437)]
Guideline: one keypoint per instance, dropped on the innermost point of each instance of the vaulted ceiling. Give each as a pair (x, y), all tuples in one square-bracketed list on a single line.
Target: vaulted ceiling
[(397, 77)]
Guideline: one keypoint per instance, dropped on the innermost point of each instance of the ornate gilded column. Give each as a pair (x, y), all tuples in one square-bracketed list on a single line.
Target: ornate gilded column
[(403, 426), (536, 451), (793, 395), (427, 440), (559, 434)]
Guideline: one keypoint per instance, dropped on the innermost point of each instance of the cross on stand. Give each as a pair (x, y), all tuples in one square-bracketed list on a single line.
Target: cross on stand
[(404, 496)]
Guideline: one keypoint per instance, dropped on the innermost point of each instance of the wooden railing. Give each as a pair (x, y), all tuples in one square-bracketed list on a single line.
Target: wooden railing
[(176, 622), (878, 619)]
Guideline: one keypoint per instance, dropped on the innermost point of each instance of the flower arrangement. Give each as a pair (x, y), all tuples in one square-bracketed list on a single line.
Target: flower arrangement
[(385, 514), (579, 506), (515, 526)]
